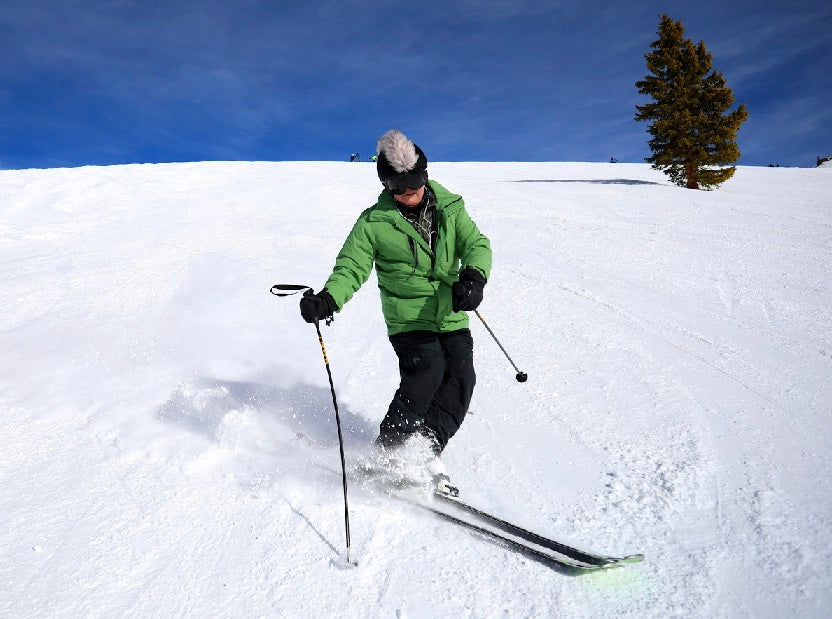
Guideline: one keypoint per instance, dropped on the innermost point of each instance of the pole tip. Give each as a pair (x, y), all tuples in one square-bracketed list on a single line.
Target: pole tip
[(522, 377), (343, 562)]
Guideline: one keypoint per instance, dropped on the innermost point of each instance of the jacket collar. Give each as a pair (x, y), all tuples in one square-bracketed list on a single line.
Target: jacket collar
[(386, 209)]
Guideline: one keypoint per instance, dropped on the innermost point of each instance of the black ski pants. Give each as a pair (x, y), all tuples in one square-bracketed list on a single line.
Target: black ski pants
[(437, 381)]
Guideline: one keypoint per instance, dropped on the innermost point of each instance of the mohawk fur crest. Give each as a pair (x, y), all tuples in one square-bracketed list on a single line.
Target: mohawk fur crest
[(399, 152)]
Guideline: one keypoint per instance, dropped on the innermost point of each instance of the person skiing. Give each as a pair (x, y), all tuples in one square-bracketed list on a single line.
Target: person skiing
[(432, 264)]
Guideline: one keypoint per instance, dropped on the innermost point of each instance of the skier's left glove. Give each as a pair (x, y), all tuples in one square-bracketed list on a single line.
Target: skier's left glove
[(467, 292), (315, 307)]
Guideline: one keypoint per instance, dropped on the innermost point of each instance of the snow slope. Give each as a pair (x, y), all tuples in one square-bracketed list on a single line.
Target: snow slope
[(168, 439)]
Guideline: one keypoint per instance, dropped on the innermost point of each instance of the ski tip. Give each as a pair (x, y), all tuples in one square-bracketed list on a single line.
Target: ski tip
[(608, 563), (637, 558)]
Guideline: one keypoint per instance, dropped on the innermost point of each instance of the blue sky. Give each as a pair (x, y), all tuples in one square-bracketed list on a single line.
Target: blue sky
[(118, 81)]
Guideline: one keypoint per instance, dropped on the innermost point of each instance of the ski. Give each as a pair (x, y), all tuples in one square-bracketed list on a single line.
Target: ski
[(586, 558), (515, 544), (516, 538), (446, 504)]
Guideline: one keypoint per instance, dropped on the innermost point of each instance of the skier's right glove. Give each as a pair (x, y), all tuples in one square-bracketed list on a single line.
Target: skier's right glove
[(316, 307)]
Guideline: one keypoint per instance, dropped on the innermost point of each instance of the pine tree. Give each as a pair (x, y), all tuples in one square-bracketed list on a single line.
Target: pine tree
[(693, 137)]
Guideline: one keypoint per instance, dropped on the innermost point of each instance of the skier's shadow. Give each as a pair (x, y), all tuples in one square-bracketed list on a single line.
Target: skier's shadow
[(201, 405)]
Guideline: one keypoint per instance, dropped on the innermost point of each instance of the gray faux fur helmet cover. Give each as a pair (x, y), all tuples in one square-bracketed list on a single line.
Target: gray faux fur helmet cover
[(397, 154)]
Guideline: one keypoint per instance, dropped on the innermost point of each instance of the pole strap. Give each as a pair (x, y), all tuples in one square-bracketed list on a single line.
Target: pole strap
[(287, 290)]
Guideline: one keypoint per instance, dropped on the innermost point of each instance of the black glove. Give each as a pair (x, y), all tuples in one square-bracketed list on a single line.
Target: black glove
[(467, 292), (315, 307)]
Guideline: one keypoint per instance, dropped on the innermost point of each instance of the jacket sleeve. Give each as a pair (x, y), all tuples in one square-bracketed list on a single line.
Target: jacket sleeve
[(353, 264), (472, 246)]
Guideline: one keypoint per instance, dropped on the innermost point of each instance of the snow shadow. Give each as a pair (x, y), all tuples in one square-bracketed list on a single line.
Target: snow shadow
[(306, 411), (598, 181)]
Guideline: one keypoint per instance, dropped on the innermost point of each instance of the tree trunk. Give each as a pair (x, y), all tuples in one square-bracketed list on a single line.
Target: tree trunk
[(690, 173)]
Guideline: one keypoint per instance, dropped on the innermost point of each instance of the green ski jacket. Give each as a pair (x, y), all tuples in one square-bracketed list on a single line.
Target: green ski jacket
[(415, 283)]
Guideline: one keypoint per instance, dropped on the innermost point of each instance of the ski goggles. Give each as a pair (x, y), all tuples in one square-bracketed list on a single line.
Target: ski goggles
[(400, 183)]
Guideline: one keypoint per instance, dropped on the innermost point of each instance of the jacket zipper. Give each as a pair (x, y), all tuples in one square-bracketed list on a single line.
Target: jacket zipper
[(414, 250), (440, 224)]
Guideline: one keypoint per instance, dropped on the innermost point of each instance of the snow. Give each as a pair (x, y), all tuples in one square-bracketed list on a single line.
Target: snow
[(168, 438)]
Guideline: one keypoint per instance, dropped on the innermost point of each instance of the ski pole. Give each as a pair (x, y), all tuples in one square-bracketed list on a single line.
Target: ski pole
[(521, 377), (283, 290), (340, 441)]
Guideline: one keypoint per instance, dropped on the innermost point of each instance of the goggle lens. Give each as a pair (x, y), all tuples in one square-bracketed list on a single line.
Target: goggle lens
[(406, 180)]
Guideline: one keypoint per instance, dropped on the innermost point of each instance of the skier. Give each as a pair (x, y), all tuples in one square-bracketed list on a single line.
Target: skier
[(432, 263)]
